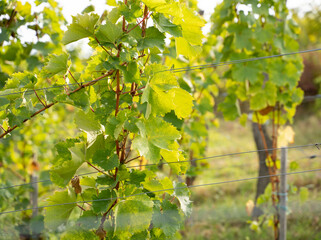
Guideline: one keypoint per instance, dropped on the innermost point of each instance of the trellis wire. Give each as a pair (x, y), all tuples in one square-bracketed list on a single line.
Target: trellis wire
[(177, 162), (164, 190), (186, 69)]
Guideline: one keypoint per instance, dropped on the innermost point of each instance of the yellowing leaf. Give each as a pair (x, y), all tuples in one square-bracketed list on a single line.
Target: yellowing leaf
[(249, 207), (182, 102), (192, 26), (285, 136), (175, 156), (154, 3), (111, 2), (23, 10), (186, 49)]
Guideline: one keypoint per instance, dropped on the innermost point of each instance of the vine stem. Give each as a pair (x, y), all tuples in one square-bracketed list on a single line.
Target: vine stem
[(43, 104), (52, 104), (81, 207), (17, 174), (145, 17), (97, 169), (128, 161), (102, 46), (133, 91), (118, 93), (74, 78), (12, 16), (2, 128)]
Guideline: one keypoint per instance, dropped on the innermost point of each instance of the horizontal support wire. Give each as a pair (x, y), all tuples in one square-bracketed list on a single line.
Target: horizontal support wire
[(164, 190), (32, 91), (185, 69), (311, 98), (218, 64), (179, 162), (231, 154)]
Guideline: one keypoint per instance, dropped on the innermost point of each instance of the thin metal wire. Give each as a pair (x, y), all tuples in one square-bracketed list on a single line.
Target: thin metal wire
[(190, 68), (311, 98), (178, 162), (217, 64), (42, 181), (46, 88), (230, 154), (164, 190)]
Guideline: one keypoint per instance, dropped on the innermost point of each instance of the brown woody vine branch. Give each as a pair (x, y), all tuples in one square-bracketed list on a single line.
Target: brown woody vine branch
[(81, 207), (97, 169), (2, 128), (102, 46), (145, 17), (51, 104), (128, 161), (74, 78), (43, 104), (12, 16)]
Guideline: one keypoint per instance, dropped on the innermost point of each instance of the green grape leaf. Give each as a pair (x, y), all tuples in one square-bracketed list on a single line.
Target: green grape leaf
[(103, 205), (182, 193), (154, 3), (115, 125), (304, 194), (229, 108), (137, 176), (264, 35), (139, 236), (154, 38), (155, 134), (167, 217), (88, 220), (79, 234), (87, 123), (109, 32), (103, 159), (158, 185), (164, 25), (258, 101), (64, 169), (82, 26), (131, 73), (163, 95), (133, 214), (4, 101), (270, 90), (21, 80), (57, 215), (250, 71), (80, 99), (57, 64)]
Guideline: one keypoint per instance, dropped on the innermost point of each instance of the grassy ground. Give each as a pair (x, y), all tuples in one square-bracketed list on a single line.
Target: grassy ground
[(220, 210)]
